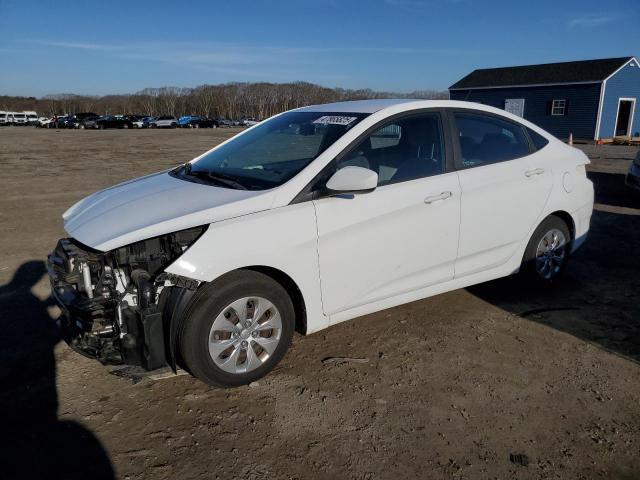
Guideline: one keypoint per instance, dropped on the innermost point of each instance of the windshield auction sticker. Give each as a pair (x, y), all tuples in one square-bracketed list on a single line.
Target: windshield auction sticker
[(335, 120)]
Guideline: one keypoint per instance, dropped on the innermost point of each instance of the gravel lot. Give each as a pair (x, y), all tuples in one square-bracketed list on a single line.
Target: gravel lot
[(454, 385)]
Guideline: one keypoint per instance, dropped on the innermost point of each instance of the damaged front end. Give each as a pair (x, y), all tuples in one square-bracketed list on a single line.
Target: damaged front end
[(120, 307)]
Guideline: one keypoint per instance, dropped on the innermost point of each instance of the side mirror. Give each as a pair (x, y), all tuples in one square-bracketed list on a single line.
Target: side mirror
[(349, 180)]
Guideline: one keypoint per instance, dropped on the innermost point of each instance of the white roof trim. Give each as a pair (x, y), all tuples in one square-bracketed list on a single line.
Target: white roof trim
[(629, 60), (603, 90)]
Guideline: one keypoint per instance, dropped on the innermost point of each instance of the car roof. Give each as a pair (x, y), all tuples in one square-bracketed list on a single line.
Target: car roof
[(358, 106), (372, 106), (404, 104)]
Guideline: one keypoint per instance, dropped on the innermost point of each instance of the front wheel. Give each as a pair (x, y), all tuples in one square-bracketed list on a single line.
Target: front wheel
[(237, 329), (548, 251)]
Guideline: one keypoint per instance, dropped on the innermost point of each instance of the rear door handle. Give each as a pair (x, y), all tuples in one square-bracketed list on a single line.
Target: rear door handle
[(535, 171), (437, 198)]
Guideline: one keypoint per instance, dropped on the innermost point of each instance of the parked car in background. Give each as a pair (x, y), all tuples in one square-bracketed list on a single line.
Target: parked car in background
[(3, 118), (72, 122), (18, 118), (166, 121), (57, 121), (32, 117), (83, 115), (315, 216), (111, 121), (249, 122), (136, 120), (89, 122), (632, 178), (223, 122), (187, 121), (196, 121), (44, 122), (148, 122)]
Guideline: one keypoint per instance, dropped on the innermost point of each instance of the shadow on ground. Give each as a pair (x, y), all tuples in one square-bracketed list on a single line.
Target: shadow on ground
[(35, 444), (597, 300), (610, 190)]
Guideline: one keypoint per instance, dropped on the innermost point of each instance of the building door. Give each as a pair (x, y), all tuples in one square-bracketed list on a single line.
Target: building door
[(624, 119)]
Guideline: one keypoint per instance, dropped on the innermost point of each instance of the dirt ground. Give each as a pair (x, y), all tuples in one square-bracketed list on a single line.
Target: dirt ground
[(454, 387)]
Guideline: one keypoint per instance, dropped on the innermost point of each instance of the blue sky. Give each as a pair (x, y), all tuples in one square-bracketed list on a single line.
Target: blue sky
[(102, 47)]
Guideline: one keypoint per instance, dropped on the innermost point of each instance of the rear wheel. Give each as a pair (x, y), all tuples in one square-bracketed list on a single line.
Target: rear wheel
[(237, 329), (548, 251)]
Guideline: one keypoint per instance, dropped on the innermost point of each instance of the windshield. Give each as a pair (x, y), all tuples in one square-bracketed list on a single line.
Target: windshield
[(274, 151), (18, 115)]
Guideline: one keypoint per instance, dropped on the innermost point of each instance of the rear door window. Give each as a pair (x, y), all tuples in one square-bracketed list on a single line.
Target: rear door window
[(485, 139)]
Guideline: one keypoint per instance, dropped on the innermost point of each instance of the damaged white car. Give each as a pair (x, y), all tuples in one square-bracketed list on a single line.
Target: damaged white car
[(315, 216)]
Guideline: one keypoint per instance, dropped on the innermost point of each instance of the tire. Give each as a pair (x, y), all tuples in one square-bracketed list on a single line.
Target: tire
[(101, 127), (82, 127), (174, 125), (205, 327), (125, 126), (542, 262)]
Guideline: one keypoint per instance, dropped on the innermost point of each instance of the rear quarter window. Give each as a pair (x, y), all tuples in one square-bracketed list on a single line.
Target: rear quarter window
[(539, 142)]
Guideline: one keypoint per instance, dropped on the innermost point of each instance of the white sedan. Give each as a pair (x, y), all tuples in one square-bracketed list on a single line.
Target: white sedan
[(313, 217)]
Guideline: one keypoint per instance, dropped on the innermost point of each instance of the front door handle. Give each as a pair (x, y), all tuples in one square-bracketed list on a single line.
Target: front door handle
[(437, 198), (535, 171)]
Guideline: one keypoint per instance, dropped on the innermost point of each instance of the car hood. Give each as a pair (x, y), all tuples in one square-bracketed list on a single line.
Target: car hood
[(154, 205)]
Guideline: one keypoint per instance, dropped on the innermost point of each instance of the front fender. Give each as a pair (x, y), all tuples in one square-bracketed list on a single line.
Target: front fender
[(283, 238)]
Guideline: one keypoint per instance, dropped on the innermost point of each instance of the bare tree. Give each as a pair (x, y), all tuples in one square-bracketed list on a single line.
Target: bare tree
[(230, 100)]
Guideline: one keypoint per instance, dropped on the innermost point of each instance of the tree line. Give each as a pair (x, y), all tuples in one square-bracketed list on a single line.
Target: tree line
[(228, 100)]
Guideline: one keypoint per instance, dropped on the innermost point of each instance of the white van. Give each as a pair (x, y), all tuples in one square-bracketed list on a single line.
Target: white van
[(3, 117), (19, 118), (31, 117)]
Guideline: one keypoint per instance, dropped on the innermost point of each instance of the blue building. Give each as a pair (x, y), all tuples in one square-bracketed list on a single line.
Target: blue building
[(590, 99)]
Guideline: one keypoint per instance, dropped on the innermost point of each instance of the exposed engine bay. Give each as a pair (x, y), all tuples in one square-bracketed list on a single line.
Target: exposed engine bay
[(121, 306)]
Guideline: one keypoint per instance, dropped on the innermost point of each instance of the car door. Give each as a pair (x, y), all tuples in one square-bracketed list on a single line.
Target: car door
[(505, 187), (401, 237)]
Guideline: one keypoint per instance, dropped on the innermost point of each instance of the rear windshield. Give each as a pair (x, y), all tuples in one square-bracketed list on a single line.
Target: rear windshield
[(274, 151)]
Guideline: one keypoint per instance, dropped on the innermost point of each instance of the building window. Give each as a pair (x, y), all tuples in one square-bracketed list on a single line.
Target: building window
[(558, 107)]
